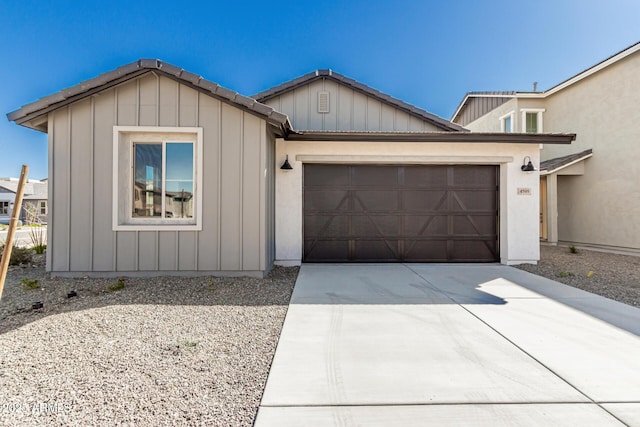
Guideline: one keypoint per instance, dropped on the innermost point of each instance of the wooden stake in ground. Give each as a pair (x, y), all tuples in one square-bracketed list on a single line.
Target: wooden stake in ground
[(13, 224)]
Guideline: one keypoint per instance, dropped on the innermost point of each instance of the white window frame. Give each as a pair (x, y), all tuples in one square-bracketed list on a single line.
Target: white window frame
[(2, 202), (503, 122), (539, 111), (40, 207), (124, 138)]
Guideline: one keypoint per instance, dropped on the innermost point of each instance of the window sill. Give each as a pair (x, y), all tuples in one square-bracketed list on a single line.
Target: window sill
[(157, 227)]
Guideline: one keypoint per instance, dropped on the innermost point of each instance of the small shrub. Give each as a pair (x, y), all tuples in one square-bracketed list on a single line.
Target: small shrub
[(18, 255), (573, 249), (29, 284), (119, 285), (565, 274), (189, 343), (38, 237)]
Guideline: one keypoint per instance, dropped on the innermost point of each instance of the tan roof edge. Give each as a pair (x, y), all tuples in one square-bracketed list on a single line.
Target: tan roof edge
[(127, 72)]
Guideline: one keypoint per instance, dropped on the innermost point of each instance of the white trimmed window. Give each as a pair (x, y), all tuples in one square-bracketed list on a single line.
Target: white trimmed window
[(4, 208), (507, 121), (532, 120), (157, 178), (43, 207)]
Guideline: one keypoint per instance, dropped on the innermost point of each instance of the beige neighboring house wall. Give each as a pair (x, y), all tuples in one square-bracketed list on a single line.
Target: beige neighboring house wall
[(598, 200)]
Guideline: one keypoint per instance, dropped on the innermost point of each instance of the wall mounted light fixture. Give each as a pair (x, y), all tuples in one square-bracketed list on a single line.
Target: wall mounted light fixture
[(286, 165), (527, 166)]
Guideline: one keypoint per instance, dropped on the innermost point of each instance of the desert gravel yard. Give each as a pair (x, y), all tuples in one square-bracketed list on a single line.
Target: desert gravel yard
[(610, 275), (162, 351), (179, 351)]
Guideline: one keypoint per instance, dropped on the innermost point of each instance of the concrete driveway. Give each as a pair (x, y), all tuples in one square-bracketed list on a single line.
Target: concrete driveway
[(435, 344)]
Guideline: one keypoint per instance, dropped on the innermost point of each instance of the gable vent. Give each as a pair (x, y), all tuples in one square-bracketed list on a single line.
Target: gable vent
[(323, 101)]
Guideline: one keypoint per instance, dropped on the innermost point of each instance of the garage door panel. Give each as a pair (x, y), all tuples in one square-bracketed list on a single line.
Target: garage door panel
[(415, 225), (471, 250), (374, 226), (425, 177), (424, 200), (471, 176), (323, 226), (374, 175), (428, 213), (375, 250), (477, 200), (328, 175), (326, 250), (473, 225), (333, 200), (426, 251), (375, 200)]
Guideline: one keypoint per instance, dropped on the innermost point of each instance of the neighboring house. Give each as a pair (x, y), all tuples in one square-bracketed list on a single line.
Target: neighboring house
[(590, 193), (34, 201), (154, 170)]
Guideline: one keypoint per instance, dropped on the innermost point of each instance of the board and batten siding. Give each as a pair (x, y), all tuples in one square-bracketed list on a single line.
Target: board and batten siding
[(237, 234), (349, 110), (478, 106)]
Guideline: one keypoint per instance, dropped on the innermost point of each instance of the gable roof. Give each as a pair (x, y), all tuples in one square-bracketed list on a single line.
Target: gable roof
[(560, 86), (553, 165), (40, 108), (30, 187), (437, 121)]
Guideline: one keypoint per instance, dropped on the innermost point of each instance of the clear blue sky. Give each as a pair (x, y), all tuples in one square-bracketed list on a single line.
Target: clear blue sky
[(428, 53)]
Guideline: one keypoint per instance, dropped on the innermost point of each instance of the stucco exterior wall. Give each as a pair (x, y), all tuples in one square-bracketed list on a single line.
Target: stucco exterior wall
[(233, 238), (519, 231), (349, 110), (601, 207)]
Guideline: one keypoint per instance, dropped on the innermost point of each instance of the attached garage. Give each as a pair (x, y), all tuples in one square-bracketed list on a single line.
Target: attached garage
[(400, 213)]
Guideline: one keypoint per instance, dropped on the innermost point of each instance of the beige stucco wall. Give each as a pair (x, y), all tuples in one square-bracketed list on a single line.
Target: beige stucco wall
[(602, 207), (233, 238), (519, 231)]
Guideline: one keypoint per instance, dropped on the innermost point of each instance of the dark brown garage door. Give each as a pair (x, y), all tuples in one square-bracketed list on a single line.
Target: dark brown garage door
[(359, 213)]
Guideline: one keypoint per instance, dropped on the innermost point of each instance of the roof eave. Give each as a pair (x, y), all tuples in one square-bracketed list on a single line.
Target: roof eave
[(28, 114), (448, 137)]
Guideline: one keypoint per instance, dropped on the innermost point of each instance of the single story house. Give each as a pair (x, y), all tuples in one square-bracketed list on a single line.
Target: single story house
[(34, 201), (589, 191), (154, 170)]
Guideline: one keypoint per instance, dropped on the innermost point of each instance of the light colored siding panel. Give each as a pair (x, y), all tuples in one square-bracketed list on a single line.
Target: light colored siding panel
[(231, 172), (147, 242), (188, 106), (316, 120), (167, 247), (148, 100), (373, 114), (344, 103), (80, 174), (359, 111), (126, 256), (168, 102), (209, 119), (387, 122), (402, 121), (415, 124), (103, 236), (331, 118), (287, 104), (251, 192), (301, 107), (60, 244), (187, 250), (127, 104)]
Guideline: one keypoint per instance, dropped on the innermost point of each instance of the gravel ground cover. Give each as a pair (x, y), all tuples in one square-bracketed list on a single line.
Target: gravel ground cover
[(610, 275), (161, 351)]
